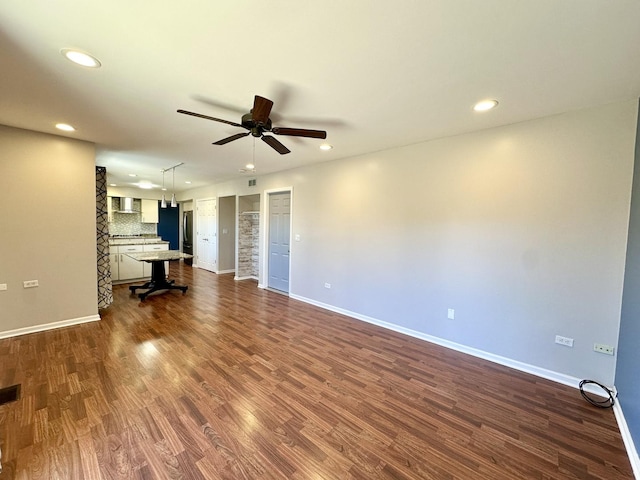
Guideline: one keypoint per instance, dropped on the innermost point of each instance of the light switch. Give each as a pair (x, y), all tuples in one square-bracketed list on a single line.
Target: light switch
[(3, 286), (297, 237)]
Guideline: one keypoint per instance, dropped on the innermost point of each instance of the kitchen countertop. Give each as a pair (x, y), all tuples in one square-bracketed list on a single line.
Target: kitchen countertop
[(136, 240), (159, 256)]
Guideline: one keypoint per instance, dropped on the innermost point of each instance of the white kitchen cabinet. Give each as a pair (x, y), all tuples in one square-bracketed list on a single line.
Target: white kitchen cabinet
[(109, 209), (149, 211), (128, 268), (155, 248), (114, 261)]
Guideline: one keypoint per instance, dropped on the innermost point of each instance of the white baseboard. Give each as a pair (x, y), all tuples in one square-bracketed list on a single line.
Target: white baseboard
[(627, 439), (508, 362), (49, 326), (245, 277), (221, 272), (521, 366)]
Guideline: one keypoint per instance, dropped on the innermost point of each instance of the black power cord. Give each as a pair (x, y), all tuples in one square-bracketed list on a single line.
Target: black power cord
[(595, 401)]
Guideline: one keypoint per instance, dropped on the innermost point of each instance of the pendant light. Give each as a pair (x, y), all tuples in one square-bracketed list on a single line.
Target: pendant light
[(174, 203), (173, 195), (163, 204)]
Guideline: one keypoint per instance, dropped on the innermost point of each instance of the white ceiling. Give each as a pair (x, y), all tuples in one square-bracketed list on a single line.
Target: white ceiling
[(374, 74)]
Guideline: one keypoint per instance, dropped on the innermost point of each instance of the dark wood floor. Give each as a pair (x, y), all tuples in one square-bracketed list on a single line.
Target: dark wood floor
[(233, 382)]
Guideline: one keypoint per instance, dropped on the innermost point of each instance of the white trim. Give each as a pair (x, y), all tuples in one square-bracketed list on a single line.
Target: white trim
[(524, 367), (568, 380), (49, 326), (231, 270), (627, 439), (245, 277), (264, 230)]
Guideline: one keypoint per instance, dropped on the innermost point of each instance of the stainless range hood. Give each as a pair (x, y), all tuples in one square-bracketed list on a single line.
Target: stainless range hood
[(126, 205)]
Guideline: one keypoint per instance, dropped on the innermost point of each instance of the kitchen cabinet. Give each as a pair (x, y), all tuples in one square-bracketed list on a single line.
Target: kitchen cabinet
[(128, 268), (113, 260), (109, 209), (149, 211), (154, 248)]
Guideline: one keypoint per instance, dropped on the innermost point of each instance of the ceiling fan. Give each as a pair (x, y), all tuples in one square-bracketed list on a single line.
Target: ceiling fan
[(257, 122)]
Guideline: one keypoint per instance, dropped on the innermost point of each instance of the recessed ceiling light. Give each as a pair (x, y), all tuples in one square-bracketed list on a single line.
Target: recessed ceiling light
[(133, 175), (113, 185), (326, 146), (81, 58), (145, 185), (66, 127), (188, 182), (485, 105)]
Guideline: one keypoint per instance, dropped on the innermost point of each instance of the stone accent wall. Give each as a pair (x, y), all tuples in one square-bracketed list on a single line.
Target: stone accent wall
[(248, 243)]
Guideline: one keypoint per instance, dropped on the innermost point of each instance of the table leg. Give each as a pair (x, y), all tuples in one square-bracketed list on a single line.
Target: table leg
[(158, 282)]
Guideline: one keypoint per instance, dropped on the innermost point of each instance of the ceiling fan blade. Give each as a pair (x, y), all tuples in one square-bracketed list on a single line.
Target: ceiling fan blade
[(261, 109), (231, 138), (299, 132), (275, 144), (210, 118)]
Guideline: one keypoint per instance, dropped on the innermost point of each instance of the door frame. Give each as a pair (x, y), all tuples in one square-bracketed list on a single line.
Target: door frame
[(264, 234)]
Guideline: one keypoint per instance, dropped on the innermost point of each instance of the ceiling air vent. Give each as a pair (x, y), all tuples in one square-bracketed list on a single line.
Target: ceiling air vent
[(252, 182)]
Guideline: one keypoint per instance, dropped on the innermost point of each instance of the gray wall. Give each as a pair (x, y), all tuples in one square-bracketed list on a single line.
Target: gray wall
[(628, 367), (48, 229), (521, 229), (226, 233)]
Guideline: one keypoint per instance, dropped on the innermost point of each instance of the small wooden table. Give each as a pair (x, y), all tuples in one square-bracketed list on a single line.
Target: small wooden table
[(158, 275)]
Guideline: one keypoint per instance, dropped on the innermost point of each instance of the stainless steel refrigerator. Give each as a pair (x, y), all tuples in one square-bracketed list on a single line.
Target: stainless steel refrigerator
[(187, 235)]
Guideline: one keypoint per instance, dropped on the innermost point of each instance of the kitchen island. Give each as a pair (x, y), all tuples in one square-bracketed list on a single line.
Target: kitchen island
[(159, 279)]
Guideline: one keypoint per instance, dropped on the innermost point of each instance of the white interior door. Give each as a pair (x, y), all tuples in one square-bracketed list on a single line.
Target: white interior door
[(206, 245), (279, 240)]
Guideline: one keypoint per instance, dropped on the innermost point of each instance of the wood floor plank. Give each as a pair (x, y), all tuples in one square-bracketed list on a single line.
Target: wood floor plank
[(233, 382)]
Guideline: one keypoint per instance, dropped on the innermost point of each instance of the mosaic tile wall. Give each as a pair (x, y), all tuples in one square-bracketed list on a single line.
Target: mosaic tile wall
[(129, 223), (248, 243)]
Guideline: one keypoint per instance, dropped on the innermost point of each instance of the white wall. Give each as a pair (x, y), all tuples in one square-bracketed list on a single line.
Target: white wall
[(521, 229), (48, 229)]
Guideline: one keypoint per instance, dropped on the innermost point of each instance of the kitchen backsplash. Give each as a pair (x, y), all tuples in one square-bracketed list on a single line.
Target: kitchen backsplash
[(129, 223)]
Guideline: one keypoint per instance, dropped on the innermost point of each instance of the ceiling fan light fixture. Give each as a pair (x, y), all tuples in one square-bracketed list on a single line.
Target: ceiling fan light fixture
[(250, 166), (485, 105), (326, 146), (81, 58)]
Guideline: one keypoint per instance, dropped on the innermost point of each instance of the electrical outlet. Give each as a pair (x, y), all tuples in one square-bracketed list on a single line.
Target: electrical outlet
[(451, 314), (566, 341), (3, 286), (601, 348), (327, 285), (30, 283)]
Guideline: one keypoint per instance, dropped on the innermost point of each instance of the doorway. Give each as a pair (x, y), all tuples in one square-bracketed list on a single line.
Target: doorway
[(227, 236), (248, 237), (206, 245), (279, 240)]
